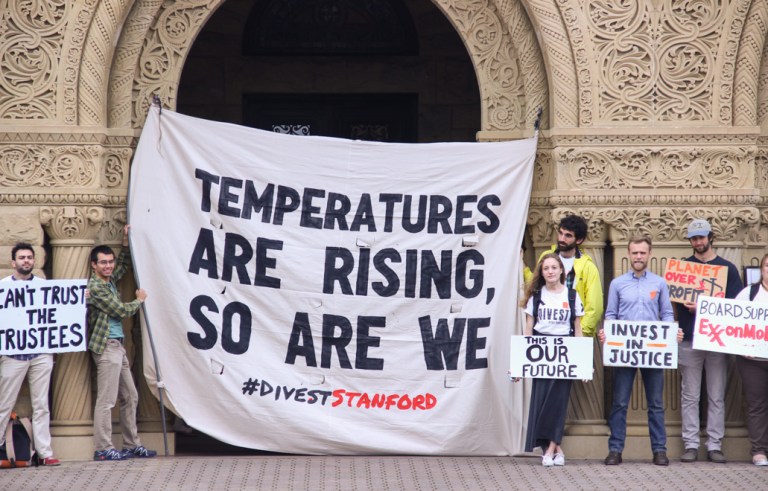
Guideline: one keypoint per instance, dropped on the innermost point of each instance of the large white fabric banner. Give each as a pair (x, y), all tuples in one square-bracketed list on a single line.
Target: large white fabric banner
[(326, 296)]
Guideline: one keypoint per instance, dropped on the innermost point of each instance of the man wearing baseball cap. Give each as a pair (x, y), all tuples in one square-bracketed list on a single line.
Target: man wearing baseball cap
[(692, 363)]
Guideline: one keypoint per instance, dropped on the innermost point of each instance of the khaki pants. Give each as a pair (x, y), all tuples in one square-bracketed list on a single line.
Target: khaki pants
[(114, 381), (38, 371)]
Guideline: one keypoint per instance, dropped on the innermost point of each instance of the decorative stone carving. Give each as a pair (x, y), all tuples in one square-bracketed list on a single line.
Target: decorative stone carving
[(48, 166), (558, 54), (665, 61), (115, 164), (163, 53), (664, 168), (31, 36), (495, 59), (71, 222)]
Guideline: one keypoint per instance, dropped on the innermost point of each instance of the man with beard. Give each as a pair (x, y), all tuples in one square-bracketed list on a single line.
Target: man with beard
[(36, 367), (580, 271), (638, 295), (692, 363)]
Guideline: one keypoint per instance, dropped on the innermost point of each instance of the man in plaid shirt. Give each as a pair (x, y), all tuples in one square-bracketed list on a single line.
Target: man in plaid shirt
[(113, 372), (36, 367)]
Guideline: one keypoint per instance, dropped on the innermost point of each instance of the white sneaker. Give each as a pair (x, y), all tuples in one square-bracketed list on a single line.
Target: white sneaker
[(760, 459), (559, 458), (546, 461)]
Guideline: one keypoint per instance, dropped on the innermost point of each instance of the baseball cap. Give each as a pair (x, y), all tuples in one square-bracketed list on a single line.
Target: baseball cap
[(699, 228)]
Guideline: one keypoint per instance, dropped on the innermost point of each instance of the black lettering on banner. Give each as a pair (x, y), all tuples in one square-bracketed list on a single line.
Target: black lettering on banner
[(366, 341), (411, 262), (208, 340), (417, 226), (232, 260), (264, 262), (431, 273), (389, 201), (440, 211), (336, 209), (207, 179), (287, 201), (393, 281), (340, 273), (442, 345), (253, 203), (226, 197), (363, 267), (301, 343), (476, 343), (228, 342), (307, 209), (493, 220), (330, 323), (459, 227), (364, 215), (204, 255), (476, 275)]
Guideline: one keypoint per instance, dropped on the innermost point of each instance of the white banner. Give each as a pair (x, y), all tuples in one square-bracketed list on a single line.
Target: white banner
[(42, 316), (563, 357), (327, 296), (731, 326), (641, 344)]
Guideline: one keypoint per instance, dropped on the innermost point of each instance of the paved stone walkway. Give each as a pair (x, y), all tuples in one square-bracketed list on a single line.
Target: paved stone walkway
[(379, 473)]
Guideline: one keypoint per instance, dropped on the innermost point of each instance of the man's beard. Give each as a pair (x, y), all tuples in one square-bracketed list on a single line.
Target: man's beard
[(703, 249), (24, 270), (564, 248)]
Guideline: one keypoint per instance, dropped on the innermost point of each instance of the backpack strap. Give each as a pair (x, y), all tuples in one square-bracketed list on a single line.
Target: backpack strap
[(753, 290), (27, 424), (536, 301), (572, 304), (10, 452)]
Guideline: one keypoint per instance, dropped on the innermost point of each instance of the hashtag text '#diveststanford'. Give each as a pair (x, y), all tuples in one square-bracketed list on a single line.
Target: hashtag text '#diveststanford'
[(339, 397)]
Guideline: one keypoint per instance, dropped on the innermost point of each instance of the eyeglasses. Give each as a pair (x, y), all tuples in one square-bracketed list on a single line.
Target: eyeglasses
[(105, 262)]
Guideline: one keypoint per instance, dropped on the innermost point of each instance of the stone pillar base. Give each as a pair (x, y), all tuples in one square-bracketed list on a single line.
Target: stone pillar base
[(75, 442), (591, 442)]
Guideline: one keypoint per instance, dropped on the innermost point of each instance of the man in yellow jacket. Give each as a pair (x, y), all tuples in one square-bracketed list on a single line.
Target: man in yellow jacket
[(581, 271)]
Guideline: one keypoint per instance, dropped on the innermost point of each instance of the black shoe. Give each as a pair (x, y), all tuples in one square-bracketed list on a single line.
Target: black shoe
[(660, 458), (716, 456), (614, 458), (690, 455)]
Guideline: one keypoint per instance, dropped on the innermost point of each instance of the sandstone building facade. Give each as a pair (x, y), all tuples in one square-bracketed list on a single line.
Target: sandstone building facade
[(655, 112)]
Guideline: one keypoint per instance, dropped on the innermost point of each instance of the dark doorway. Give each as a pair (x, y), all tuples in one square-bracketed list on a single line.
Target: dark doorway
[(373, 117)]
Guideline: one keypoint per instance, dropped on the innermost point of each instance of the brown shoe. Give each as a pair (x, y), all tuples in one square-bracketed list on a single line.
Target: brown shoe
[(614, 458), (690, 455), (716, 456), (660, 458)]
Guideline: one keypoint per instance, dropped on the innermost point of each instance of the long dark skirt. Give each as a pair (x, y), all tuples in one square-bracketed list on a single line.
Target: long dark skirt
[(546, 417)]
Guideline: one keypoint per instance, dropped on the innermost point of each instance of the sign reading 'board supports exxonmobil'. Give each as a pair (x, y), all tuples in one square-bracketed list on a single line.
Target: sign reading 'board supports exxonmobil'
[(731, 326), (687, 280), (641, 344), (318, 295)]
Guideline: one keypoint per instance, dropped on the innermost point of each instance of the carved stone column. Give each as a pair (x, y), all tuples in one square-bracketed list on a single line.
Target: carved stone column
[(73, 231)]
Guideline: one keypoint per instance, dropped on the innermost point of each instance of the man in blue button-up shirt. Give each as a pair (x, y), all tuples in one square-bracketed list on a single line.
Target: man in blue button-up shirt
[(638, 295)]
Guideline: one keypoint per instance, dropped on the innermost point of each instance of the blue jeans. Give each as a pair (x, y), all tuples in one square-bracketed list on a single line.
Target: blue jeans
[(623, 379)]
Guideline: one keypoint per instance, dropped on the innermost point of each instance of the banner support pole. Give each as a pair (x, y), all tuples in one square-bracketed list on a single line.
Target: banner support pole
[(160, 383)]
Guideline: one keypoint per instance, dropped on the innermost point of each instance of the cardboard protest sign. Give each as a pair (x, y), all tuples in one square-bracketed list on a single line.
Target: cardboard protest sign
[(731, 326), (562, 357), (641, 344), (327, 296), (42, 316), (687, 280)]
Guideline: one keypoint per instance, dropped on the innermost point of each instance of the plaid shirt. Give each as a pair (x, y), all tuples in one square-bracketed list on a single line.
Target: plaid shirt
[(105, 303)]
